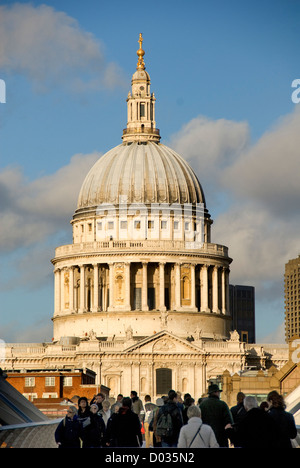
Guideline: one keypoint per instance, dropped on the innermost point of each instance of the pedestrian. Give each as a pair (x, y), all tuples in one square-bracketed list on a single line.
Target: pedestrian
[(83, 408), (105, 412), (169, 421), (256, 429), (285, 422), (98, 399), (188, 401), (124, 428), (238, 411), (117, 403), (68, 433), (149, 415), (156, 438), (93, 430), (216, 414), (195, 434), (137, 405)]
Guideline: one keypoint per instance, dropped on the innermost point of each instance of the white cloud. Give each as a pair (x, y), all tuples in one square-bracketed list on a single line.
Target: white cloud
[(255, 191), (268, 172), (31, 211), (210, 146), (49, 47)]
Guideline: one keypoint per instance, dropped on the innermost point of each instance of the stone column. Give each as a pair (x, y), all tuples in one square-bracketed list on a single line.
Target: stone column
[(223, 290), (177, 287), (95, 307), (145, 287), (82, 289), (127, 286), (62, 290), (57, 288), (71, 289), (204, 288), (193, 286), (215, 305), (227, 291), (162, 306), (111, 286)]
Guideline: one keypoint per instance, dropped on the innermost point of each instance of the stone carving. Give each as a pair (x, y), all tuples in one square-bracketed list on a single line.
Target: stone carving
[(234, 336), (164, 345), (164, 319)]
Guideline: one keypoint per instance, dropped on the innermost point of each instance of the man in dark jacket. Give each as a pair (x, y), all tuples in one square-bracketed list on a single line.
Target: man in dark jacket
[(216, 414), (169, 412), (124, 429)]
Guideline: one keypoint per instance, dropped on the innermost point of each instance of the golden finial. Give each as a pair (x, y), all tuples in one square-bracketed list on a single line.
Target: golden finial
[(140, 53)]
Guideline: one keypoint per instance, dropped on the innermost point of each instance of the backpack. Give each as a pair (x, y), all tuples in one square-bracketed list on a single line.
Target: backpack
[(164, 427)]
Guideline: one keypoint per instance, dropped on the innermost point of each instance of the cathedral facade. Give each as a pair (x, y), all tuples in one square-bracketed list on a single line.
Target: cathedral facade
[(142, 293)]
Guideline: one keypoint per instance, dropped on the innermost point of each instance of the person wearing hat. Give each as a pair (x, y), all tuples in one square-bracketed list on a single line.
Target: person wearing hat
[(216, 414)]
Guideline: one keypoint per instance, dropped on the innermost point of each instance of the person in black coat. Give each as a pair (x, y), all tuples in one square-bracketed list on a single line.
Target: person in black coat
[(124, 428), (256, 429), (93, 429), (83, 409), (285, 423), (68, 433), (171, 407)]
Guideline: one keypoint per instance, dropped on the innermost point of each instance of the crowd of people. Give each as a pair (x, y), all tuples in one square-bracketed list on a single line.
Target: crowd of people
[(175, 422)]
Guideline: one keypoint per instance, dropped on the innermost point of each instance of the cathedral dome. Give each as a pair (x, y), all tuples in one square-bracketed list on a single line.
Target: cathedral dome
[(140, 173)]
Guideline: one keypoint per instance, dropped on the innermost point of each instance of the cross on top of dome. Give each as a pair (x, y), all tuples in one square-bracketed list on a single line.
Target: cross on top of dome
[(140, 53)]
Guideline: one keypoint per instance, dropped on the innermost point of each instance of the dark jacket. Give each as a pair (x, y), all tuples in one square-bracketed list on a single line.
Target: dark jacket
[(124, 429), (257, 430), (176, 415), (238, 412), (68, 433), (285, 426), (93, 431), (216, 414)]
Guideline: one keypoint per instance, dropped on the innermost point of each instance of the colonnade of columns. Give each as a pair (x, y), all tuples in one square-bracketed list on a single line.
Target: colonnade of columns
[(111, 286)]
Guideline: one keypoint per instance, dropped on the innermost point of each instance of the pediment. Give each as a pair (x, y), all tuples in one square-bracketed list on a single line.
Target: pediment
[(164, 343)]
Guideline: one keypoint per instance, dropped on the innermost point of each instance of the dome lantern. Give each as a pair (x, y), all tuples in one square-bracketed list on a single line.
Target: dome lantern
[(141, 124)]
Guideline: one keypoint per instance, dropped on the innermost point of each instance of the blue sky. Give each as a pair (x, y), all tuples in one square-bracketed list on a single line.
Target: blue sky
[(222, 74)]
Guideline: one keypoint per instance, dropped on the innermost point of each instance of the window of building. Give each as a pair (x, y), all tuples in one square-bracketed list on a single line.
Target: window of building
[(163, 224), (187, 226), (68, 381), (137, 224), (99, 225), (90, 227), (150, 224), (50, 395), (110, 225), (29, 381), (142, 109), (176, 225), (30, 396), (123, 225), (49, 381)]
